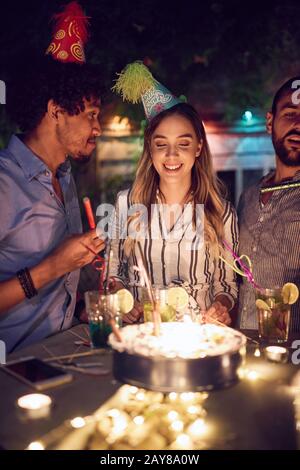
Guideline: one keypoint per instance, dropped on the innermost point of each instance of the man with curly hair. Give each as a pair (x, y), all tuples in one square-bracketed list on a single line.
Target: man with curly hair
[(42, 247)]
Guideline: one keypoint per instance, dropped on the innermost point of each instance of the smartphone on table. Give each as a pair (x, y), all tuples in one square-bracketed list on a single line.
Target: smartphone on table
[(37, 373)]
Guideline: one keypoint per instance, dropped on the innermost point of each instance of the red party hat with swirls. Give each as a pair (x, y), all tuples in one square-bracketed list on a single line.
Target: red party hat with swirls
[(69, 34)]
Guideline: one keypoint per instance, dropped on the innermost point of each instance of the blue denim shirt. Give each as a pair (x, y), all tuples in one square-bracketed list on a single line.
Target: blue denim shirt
[(33, 222)]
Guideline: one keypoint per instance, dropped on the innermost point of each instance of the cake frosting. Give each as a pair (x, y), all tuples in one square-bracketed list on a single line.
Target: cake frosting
[(178, 340)]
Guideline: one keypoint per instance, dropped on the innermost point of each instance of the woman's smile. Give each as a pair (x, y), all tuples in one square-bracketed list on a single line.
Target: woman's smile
[(172, 168)]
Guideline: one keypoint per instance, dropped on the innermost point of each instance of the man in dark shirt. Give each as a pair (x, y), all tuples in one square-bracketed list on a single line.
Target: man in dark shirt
[(269, 211)]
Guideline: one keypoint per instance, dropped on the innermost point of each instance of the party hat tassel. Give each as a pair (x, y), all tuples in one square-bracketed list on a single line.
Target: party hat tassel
[(134, 80)]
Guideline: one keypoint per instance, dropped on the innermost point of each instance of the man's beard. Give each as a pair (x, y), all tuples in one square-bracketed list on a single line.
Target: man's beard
[(287, 157), (81, 158)]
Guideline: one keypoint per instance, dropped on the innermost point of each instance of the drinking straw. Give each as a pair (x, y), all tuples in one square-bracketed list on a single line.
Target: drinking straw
[(279, 187), (101, 266), (218, 322), (89, 213), (244, 271), (99, 262), (82, 354), (97, 256), (109, 257), (144, 274)]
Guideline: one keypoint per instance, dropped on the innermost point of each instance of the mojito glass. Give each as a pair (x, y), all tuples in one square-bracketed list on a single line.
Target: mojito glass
[(99, 310), (167, 312), (273, 315)]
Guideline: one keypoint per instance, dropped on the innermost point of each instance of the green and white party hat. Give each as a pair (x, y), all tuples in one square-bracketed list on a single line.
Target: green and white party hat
[(136, 83)]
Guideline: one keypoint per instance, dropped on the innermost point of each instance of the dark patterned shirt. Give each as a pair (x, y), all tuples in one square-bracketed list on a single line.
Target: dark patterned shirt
[(270, 236)]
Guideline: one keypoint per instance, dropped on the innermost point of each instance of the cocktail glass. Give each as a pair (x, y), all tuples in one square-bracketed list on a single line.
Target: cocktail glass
[(167, 312), (100, 308), (273, 315)]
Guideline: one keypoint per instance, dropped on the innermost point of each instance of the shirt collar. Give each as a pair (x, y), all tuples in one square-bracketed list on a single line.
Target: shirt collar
[(30, 163), (26, 159), (268, 178), (64, 169)]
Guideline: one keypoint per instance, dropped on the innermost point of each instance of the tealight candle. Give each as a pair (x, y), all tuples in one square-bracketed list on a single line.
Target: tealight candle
[(276, 353), (77, 422), (37, 445), (35, 405)]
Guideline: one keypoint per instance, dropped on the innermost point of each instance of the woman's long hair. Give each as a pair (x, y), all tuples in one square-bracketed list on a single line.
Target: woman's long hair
[(205, 187)]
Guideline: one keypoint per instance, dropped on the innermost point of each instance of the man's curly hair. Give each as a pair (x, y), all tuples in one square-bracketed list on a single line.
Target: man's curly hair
[(66, 83)]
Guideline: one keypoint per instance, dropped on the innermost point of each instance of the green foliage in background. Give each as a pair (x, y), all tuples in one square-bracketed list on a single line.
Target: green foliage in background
[(225, 56)]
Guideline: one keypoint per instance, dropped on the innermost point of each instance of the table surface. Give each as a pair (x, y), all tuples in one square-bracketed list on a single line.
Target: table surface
[(252, 414)]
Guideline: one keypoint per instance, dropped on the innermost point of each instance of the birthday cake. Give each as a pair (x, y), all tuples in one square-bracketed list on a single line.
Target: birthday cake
[(183, 357)]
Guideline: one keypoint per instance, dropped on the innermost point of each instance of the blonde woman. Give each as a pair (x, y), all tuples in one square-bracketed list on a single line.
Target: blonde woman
[(175, 176)]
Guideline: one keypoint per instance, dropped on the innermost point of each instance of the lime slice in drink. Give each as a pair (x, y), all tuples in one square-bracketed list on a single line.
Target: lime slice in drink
[(167, 313), (262, 305), (178, 297), (125, 301), (290, 293)]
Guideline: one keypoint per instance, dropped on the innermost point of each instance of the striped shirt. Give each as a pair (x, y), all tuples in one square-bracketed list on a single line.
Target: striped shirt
[(179, 260), (270, 236)]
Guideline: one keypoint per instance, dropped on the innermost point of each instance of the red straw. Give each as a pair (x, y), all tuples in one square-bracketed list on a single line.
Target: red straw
[(92, 224), (89, 212), (99, 259)]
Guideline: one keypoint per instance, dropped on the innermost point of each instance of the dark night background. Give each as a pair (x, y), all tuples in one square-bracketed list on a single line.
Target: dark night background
[(225, 56)]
